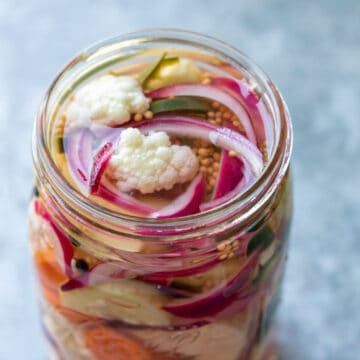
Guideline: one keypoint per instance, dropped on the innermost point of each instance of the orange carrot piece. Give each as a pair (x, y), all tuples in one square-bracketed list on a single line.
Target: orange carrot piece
[(108, 344), (50, 274), (75, 316)]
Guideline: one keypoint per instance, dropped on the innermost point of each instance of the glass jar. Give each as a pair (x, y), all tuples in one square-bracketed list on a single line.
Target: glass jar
[(203, 286)]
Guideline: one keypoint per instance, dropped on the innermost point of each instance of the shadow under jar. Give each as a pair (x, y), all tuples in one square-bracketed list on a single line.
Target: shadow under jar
[(117, 284)]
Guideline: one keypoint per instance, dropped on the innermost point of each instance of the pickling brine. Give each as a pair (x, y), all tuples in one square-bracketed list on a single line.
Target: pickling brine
[(162, 206)]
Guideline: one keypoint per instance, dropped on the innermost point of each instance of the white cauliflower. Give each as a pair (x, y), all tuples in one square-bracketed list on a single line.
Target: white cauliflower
[(182, 71), (108, 100), (150, 163)]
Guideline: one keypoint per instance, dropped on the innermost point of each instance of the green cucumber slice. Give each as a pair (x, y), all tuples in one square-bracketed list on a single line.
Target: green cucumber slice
[(261, 240), (266, 269), (129, 301), (209, 278), (59, 144), (152, 69), (185, 103)]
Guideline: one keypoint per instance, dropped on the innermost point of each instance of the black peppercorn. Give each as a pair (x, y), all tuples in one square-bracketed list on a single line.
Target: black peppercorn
[(81, 265)]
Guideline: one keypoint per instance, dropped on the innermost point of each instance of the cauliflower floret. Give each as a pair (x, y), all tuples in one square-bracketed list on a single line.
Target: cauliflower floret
[(150, 163), (183, 71), (108, 100)]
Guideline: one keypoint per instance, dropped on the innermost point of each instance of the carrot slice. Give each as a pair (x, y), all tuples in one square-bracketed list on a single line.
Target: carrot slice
[(109, 344), (75, 316), (50, 274), (51, 278)]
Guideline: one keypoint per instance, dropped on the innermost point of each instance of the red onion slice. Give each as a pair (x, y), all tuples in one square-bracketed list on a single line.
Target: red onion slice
[(100, 273), (187, 203), (256, 107), (167, 276), (211, 92), (222, 137), (229, 176), (107, 191), (114, 270), (247, 179), (101, 159), (216, 301), (78, 148), (106, 271), (54, 209), (63, 249)]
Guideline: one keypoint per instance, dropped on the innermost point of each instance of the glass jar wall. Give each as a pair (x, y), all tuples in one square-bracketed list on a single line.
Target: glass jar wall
[(119, 286)]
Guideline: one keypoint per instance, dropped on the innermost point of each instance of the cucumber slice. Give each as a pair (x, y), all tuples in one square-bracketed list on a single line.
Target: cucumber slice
[(152, 69), (59, 144), (223, 339), (267, 269), (185, 103), (261, 240), (128, 301), (171, 71), (210, 278)]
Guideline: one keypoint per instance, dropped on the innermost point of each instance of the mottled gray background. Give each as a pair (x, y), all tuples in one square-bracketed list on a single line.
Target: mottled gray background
[(312, 51)]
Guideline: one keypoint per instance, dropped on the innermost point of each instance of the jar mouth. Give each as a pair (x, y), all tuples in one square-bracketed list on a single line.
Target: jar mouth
[(243, 207)]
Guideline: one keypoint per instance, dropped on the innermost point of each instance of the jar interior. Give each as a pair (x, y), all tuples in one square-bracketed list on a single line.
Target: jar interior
[(128, 58)]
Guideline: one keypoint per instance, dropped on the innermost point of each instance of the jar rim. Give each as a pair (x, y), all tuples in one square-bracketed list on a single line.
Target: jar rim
[(244, 206)]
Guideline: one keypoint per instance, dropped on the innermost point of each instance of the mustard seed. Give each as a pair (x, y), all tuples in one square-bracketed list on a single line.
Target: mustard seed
[(216, 156), (202, 152), (228, 247), (138, 117), (205, 161), (215, 105), (227, 115), (204, 143), (235, 244), (148, 115)]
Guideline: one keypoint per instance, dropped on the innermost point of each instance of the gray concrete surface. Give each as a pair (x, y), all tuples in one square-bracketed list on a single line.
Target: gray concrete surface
[(310, 48)]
